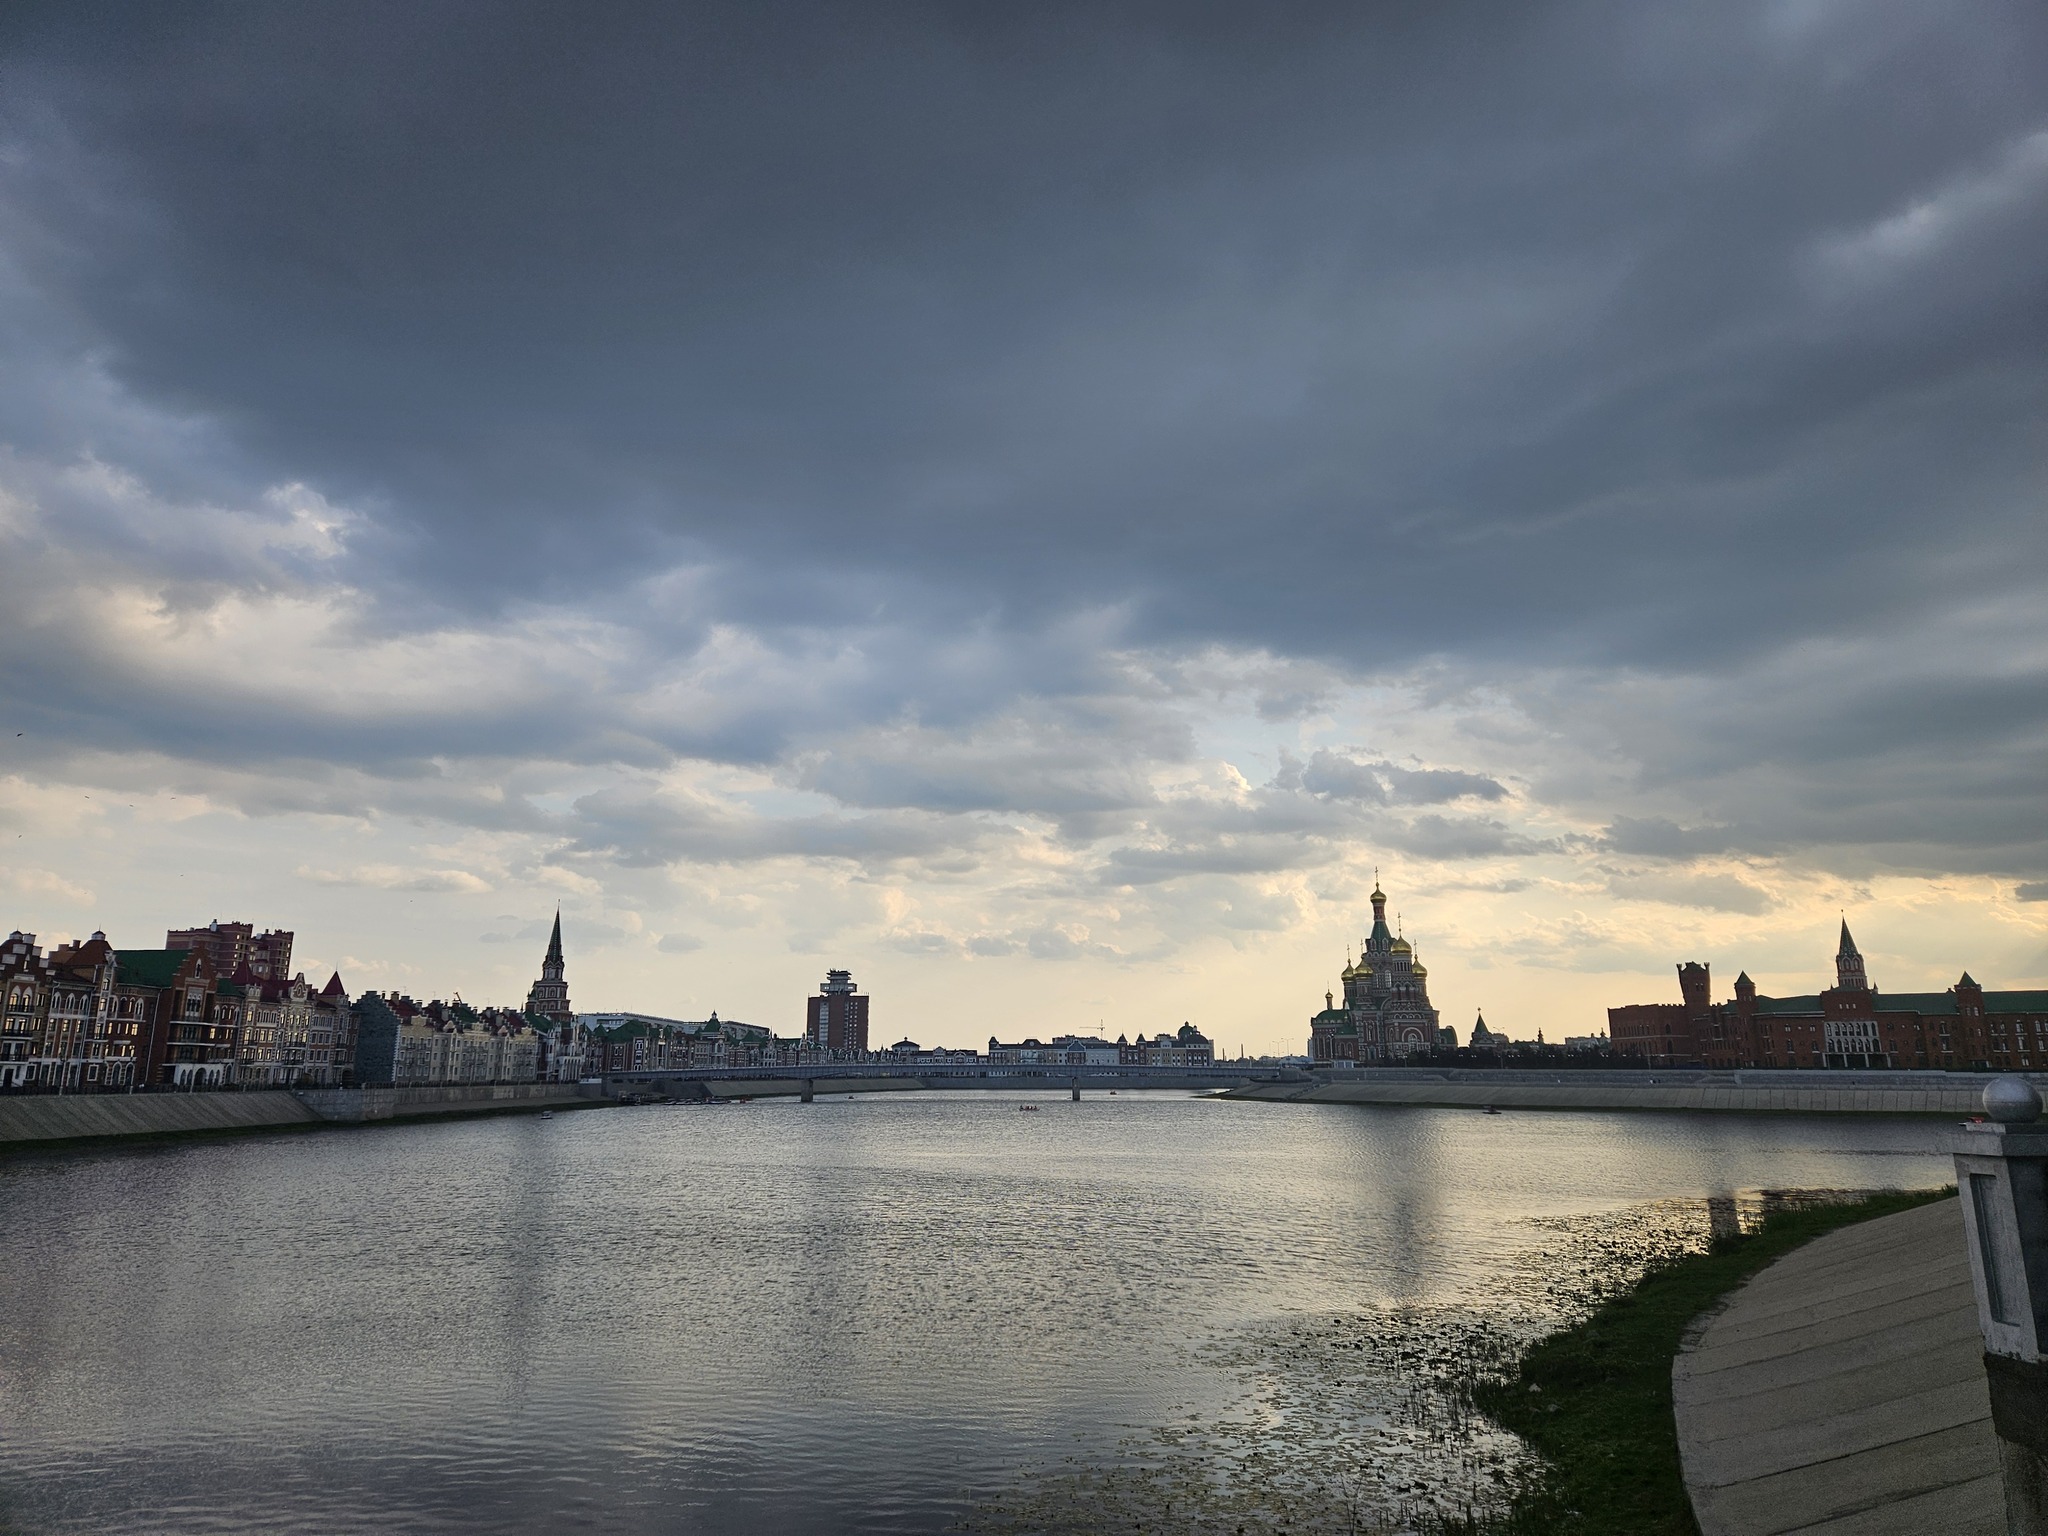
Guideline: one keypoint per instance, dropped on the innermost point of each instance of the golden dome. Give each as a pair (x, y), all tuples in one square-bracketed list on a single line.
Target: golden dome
[(1402, 947), (1350, 971), (1421, 969)]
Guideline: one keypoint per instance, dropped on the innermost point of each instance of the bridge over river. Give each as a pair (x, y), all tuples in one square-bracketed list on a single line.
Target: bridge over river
[(885, 1077), (1748, 1091)]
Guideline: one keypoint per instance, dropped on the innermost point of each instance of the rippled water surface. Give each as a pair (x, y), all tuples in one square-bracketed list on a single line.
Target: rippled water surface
[(891, 1313)]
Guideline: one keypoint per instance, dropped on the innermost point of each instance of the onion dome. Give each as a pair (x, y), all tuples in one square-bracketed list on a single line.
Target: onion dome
[(1421, 969), (1403, 947)]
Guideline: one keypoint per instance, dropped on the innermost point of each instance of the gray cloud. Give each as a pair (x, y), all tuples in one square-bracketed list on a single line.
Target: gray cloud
[(907, 405), (1715, 893), (1655, 837), (1383, 783), (1279, 266), (391, 877)]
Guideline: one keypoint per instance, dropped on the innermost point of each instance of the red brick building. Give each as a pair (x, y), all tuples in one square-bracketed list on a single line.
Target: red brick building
[(1851, 1024), (229, 947), (836, 1020)]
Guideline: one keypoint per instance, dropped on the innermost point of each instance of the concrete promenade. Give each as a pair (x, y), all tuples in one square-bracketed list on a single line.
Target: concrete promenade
[(1841, 1392), (64, 1117), (1745, 1091)]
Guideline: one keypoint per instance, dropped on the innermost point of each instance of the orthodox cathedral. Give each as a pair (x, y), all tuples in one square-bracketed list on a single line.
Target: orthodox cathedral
[(1385, 1014)]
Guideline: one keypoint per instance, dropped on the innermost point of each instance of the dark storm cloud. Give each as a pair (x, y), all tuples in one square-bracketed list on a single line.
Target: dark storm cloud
[(946, 353), (1559, 312)]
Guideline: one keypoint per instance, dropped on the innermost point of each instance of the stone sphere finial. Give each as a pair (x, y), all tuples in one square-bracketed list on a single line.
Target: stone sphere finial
[(2012, 1101)]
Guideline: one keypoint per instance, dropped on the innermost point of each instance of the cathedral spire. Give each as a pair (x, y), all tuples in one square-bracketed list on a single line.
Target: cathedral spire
[(555, 939)]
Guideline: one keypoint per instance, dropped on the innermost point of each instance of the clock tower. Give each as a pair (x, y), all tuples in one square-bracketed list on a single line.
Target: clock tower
[(550, 995)]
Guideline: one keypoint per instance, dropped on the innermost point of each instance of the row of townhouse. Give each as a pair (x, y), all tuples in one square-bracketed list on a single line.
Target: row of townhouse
[(1185, 1047), (402, 1043), (88, 1017), (639, 1042)]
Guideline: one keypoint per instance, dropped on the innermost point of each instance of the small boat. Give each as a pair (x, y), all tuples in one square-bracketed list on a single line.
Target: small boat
[(1029, 1109), (547, 1114), (1491, 1110)]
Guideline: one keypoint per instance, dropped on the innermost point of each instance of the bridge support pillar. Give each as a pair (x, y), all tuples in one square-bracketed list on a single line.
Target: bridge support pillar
[(806, 1096), (1077, 1091)]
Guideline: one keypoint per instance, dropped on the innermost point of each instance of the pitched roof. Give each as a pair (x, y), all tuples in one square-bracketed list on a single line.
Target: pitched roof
[(333, 987), (555, 939), (1788, 1005), (149, 967), (1848, 945), (2035, 1001), (1916, 1002)]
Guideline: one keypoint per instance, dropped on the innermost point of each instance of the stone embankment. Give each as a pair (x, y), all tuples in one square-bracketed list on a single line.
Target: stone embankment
[(1746, 1091), (71, 1117), (1842, 1390)]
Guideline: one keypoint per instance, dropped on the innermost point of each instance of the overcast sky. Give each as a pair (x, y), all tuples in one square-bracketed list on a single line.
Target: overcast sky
[(1032, 503)]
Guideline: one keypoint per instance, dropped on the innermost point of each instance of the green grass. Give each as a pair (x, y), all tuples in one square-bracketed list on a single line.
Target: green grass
[(1595, 1400)]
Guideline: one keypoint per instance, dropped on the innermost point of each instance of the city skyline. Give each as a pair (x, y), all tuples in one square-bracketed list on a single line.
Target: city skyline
[(1036, 508)]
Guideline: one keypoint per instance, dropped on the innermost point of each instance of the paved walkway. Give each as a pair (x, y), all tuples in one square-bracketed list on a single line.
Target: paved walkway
[(1842, 1391)]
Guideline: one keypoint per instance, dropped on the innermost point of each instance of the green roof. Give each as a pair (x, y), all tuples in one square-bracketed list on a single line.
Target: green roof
[(1788, 1005), (1936, 1004), (1916, 1002), (2016, 1002), (148, 967)]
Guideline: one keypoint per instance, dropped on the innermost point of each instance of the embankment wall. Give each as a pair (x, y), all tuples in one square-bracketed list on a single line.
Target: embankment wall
[(67, 1117), (1855, 1093)]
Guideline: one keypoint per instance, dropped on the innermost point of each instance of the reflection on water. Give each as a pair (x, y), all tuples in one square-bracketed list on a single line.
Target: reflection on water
[(889, 1313)]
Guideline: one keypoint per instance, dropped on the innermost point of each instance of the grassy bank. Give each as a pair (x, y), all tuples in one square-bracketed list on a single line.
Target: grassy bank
[(1595, 1399)]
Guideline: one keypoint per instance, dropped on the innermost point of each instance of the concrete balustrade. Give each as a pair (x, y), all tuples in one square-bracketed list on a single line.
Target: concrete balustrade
[(2002, 1176)]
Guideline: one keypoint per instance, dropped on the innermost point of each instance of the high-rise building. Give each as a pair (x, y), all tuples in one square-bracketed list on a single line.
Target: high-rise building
[(231, 946), (550, 995), (837, 1018)]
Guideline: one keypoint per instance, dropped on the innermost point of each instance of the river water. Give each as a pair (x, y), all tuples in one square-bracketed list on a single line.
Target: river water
[(913, 1312)]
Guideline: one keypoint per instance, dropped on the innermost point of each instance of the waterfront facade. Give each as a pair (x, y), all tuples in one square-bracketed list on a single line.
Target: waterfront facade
[(1851, 1024), (628, 1042), (1060, 1051), (400, 1043), (1184, 1047), (277, 1020), (24, 1004), (1385, 1015)]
